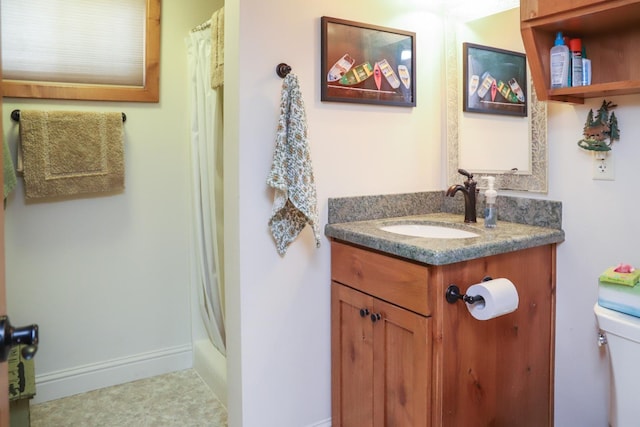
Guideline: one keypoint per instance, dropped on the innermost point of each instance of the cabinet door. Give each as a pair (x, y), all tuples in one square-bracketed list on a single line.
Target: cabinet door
[(499, 372), (351, 357), (531, 9), (402, 367)]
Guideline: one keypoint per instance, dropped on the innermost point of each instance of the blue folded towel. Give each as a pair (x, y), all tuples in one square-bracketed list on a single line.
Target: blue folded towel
[(625, 299)]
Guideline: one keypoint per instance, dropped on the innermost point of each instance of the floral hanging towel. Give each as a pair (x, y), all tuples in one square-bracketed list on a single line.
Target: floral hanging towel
[(294, 201)]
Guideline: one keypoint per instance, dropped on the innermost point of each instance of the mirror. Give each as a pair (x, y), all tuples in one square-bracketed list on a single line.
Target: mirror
[(529, 135)]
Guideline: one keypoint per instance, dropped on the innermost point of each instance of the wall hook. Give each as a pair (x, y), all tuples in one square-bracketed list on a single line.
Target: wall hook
[(282, 70)]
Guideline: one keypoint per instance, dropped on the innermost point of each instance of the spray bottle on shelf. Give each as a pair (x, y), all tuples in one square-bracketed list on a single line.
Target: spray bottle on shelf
[(490, 211), (575, 46)]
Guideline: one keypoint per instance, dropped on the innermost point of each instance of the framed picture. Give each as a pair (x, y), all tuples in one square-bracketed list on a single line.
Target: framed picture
[(495, 80), (367, 64)]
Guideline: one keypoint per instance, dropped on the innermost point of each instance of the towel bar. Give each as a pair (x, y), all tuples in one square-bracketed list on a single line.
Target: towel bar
[(15, 116)]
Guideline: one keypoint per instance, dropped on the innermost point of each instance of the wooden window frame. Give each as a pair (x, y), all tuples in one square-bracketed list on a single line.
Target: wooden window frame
[(149, 92)]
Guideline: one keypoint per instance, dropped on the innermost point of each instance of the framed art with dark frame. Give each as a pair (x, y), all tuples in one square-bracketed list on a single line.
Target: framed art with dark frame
[(367, 64), (495, 80)]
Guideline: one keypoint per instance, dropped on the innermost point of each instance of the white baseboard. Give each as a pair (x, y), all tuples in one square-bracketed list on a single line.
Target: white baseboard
[(67, 382), (211, 365), (324, 423)]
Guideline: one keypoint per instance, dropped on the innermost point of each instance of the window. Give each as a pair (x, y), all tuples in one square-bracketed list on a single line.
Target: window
[(73, 49)]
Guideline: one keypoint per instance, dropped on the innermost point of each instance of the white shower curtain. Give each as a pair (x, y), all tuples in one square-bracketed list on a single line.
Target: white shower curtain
[(206, 167)]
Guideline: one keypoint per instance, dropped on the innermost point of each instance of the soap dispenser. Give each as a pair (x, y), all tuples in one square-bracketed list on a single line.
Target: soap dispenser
[(490, 211)]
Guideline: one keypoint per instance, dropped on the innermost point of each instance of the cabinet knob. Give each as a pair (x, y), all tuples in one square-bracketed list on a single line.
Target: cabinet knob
[(364, 312), (375, 317)]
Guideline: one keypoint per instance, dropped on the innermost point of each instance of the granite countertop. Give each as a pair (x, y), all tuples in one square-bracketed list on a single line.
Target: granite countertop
[(506, 237)]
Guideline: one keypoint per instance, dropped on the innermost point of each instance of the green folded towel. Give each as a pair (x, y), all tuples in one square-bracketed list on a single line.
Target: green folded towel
[(628, 279), (10, 179)]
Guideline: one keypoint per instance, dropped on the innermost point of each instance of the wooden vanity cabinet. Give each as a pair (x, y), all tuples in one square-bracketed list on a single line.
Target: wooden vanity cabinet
[(403, 356), (381, 351), (610, 35)]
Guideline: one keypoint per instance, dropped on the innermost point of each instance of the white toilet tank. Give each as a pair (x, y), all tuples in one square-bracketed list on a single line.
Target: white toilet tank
[(622, 332)]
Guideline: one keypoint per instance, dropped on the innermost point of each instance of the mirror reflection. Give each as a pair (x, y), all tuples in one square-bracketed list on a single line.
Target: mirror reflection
[(513, 149)]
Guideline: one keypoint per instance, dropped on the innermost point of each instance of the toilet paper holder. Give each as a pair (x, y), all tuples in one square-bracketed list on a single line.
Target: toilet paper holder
[(453, 294)]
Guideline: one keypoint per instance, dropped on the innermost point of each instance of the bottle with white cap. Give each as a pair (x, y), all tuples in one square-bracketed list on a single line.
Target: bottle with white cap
[(559, 61), (490, 211)]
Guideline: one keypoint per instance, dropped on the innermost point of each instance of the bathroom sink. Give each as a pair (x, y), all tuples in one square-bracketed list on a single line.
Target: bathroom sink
[(429, 231)]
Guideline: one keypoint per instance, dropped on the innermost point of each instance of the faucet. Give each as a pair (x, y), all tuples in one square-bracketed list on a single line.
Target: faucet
[(469, 191)]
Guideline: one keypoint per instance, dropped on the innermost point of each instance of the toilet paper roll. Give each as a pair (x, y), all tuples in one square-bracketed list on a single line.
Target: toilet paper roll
[(500, 298)]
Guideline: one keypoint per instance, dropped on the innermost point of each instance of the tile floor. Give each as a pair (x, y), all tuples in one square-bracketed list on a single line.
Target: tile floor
[(176, 399)]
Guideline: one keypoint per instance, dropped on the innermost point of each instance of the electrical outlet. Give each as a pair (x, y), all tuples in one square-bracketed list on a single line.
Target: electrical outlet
[(603, 165)]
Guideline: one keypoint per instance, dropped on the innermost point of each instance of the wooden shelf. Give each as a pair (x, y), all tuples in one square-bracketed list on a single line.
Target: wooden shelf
[(578, 94), (610, 34)]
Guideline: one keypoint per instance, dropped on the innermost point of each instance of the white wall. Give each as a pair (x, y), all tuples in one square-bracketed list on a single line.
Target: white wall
[(599, 218), (107, 278), (279, 308)]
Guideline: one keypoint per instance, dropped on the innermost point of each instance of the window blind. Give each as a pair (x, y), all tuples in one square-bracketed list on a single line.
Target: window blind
[(74, 41)]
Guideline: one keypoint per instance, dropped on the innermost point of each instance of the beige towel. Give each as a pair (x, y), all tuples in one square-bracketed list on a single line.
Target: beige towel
[(67, 153), (217, 48)]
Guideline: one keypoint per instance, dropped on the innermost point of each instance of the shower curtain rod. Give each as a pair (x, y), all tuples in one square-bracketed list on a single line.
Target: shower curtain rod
[(15, 115), (202, 26)]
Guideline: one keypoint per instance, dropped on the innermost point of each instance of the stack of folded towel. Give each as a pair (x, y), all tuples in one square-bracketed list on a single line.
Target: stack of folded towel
[(617, 289)]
